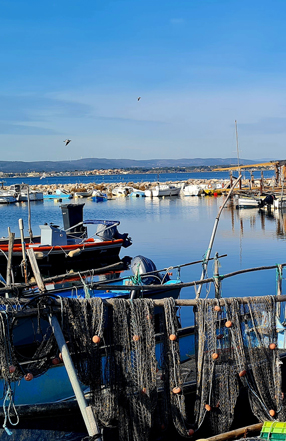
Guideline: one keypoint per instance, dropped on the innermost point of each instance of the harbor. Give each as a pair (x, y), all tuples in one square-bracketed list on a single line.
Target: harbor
[(174, 233)]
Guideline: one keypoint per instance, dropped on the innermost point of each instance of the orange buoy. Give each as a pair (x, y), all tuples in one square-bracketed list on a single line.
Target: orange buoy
[(242, 373), (215, 356), (176, 390), (136, 337), (228, 324), (272, 346), (215, 194), (272, 412), (29, 376), (173, 337), (96, 339), (55, 361), (190, 432), (217, 308), (207, 407), (170, 274), (12, 369)]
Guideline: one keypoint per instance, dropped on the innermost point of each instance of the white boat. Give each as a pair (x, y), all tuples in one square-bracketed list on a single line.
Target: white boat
[(7, 197), (21, 193), (83, 194), (122, 191), (248, 202), (163, 190), (279, 203), (192, 190)]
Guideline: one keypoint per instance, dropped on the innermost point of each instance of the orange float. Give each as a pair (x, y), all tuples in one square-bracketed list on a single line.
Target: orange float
[(96, 339), (29, 376)]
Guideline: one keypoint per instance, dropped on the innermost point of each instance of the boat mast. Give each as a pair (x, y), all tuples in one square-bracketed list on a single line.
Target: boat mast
[(237, 152)]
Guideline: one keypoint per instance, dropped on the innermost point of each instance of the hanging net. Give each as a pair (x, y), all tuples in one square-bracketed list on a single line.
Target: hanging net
[(236, 346)]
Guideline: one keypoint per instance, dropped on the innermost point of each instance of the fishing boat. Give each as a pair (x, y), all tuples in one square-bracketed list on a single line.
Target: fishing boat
[(255, 201), (192, 190), (137, 193), (98, 196), (7, 197), (22, 192), (59, 194), (69, 248), (163, 190), (83, 194), (122, 191)]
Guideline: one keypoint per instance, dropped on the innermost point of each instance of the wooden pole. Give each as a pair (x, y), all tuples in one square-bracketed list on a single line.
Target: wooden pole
[(10, 254), (234, 433), (208, 253), (216, 277), (29, 215), (86, 411), (35, 269), (279, 271), (21, 227)]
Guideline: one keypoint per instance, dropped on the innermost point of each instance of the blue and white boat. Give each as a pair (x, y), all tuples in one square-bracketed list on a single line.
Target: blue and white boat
[(98, 196), (59, 194)]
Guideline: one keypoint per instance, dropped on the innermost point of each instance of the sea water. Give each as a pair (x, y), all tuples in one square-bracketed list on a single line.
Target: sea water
[(174, 231)]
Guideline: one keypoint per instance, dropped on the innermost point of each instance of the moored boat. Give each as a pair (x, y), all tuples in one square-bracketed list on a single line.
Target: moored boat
[(163, 190), (21, 193), (98, 196), (7, 197), (192, 190), (70, 248)]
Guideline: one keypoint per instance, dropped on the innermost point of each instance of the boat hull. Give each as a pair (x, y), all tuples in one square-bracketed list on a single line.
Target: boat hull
[(54, 260)]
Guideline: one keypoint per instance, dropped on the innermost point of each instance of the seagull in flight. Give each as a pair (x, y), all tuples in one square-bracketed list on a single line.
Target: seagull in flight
[(67, 141), (139, 98)]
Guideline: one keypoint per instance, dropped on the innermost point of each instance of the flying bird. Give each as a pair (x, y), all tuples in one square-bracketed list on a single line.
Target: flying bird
[(139, 98), (67, 141)]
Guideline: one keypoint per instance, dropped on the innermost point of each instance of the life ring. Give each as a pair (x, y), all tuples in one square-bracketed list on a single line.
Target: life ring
[(209, 186)]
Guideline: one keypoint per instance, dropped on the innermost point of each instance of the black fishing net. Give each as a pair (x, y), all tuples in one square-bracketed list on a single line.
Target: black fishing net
[(113, 349), (173, 398), (236, 346), (27, 344)]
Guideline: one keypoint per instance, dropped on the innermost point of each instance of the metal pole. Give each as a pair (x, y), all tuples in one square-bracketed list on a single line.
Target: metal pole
[(86, 411), (21, 227), (208, 253)]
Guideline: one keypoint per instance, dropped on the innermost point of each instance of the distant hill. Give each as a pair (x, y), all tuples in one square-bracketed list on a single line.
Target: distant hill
[(103, 163)]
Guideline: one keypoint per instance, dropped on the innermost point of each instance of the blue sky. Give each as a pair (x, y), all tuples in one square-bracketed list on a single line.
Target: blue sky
[(74, 69)]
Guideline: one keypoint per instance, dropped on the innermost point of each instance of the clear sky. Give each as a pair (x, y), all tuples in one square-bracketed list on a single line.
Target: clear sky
[(75, 69)]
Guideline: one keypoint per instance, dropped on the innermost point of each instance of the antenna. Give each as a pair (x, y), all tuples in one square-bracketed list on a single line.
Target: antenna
[(237, 151)]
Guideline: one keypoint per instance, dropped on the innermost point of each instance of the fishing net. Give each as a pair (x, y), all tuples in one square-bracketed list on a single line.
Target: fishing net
[(135, 366), (173, 399), (26, 344), (236, 346), (113, 349)]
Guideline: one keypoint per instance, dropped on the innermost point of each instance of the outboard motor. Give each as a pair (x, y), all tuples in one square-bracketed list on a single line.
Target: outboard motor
[(142, 265), (268, 200), (108, 231), (72, 216)]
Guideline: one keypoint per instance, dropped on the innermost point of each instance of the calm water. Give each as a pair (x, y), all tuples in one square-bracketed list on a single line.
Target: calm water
[(175, 231)]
